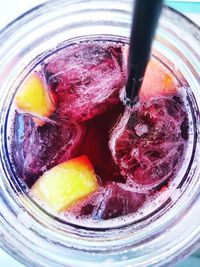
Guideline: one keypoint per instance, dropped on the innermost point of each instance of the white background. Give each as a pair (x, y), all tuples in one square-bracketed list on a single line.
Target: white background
[(9, 10)]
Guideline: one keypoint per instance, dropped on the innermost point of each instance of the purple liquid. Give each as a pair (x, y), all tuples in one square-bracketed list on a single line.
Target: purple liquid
[(146, 147)]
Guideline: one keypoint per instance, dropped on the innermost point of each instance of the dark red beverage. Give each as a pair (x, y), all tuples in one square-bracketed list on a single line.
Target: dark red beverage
[(126, 155)]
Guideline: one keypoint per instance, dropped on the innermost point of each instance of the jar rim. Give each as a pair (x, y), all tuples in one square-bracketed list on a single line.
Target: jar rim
[(4, 35)]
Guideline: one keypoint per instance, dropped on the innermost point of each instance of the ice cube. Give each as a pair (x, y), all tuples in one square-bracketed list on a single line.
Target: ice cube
[(86, 79), (118, 201), (149, 141), (38, 148)]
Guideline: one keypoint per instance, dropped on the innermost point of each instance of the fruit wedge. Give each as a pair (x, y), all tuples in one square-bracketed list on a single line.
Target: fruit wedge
[(66, 183), (158, 81), (33, 98)]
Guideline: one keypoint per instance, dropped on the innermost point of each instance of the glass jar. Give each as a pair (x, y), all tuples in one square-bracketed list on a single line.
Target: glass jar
[(37, 238)]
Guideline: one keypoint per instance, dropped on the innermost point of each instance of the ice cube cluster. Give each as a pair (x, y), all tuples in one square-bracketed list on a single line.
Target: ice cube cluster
[(142, 146)]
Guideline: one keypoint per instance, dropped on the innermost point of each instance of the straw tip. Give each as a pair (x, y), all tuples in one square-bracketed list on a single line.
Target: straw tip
[(130, 102)]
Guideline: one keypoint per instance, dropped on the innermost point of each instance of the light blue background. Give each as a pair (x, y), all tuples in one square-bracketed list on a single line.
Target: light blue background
[(10, 9)]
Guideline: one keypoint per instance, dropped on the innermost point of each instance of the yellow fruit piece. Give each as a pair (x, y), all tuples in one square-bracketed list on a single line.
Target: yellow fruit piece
[(66, 183), (33, 97), (157, 81)]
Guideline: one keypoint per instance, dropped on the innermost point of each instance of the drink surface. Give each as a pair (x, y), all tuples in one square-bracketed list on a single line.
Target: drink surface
[(79, 150)]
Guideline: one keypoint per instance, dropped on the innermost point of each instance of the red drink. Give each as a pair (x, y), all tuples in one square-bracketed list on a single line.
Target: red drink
[(134, 153)]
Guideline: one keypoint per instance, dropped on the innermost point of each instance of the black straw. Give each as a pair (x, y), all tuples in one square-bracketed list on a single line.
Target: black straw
[(145, 18)]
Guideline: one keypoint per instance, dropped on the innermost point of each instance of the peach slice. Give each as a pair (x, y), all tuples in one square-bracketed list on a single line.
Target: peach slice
[(33, 98), (158, 81), (66, 183)]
